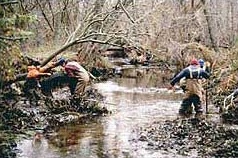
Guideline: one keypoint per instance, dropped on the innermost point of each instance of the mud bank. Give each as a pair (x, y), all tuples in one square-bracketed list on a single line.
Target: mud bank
[(191, 137)]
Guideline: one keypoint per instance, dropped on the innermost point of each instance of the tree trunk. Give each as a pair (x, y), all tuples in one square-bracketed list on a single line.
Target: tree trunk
[(209, 27), (232, 32)]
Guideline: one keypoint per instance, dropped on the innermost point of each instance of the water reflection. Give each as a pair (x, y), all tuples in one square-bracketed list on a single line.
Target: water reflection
[(30, 150), (133, 102)]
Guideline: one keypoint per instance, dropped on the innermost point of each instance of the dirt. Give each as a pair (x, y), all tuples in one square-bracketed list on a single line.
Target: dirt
[(190, 137)]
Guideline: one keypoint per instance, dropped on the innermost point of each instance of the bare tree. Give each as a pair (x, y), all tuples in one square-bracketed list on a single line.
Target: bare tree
[(154, 25)]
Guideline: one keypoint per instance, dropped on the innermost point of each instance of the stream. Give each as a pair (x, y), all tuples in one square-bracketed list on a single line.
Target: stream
[(133, 102)]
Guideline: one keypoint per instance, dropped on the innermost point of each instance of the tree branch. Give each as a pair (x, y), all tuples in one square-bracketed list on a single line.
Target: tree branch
[(127, 14), (77, 41), (44, 15), (72, 36), (7, 3), (12, 38)]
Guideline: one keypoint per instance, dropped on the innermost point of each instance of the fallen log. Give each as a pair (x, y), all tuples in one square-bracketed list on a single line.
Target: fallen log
[(21, 77)]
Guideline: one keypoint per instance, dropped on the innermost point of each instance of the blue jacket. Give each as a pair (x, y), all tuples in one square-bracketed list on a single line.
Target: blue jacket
[(190, 72)]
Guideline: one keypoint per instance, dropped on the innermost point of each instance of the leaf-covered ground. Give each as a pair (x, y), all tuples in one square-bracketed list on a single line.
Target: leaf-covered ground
[(191, 137)]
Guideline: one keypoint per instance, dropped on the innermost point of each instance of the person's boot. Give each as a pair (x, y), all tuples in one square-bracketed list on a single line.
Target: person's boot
[(190, 110), (182, 111)]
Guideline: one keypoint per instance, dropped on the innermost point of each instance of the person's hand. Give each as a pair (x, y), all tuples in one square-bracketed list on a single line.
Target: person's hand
[(172, 88)]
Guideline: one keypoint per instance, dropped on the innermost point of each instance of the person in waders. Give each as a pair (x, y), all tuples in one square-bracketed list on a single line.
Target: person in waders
[(193, 93), (74, 75)]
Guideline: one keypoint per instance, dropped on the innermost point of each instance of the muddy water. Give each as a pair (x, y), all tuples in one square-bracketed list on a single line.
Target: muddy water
[(134, 102)]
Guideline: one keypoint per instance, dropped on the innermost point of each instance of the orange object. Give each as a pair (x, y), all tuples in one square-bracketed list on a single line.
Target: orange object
[(32, 72)]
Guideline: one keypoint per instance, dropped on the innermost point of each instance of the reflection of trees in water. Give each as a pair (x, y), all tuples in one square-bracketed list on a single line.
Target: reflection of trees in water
[(37, 140), (84, 140), (65, 136), (91, 139), (144, 77)]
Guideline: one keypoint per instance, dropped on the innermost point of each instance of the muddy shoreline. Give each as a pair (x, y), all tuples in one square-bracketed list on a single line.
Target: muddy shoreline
[(189, 137)]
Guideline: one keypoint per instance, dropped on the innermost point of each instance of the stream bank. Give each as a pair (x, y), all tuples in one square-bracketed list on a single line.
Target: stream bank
[(140, 108)]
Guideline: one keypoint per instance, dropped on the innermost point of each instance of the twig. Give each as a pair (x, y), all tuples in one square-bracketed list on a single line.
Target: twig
[(9, 2), (127, 14), (12, 38), (44, 15)]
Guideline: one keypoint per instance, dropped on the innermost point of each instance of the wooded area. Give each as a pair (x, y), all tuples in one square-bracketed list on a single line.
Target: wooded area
[(161, 36), (169, 29)]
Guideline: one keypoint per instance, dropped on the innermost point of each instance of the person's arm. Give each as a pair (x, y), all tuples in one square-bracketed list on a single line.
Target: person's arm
[(178, 77), (69, 71)]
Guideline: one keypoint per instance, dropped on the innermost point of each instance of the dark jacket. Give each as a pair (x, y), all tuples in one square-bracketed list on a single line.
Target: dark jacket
[(190, 72)]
